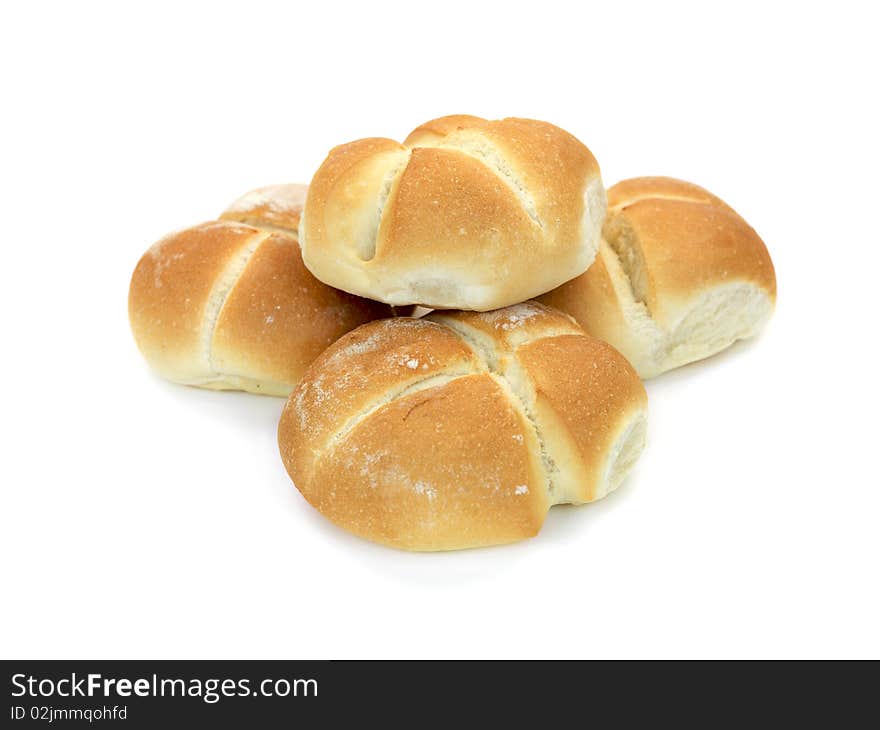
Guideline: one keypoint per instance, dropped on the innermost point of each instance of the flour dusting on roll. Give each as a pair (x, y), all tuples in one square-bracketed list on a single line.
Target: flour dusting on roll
[(461, 429), (229, 305), (277, 207), (466, 213)]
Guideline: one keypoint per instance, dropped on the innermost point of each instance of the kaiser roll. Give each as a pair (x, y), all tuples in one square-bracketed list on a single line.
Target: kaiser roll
[(461, 429), (466, 213), (229, 304), (679, 276)]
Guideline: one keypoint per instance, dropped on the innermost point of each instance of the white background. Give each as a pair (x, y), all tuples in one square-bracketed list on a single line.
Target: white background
[(144, 519)]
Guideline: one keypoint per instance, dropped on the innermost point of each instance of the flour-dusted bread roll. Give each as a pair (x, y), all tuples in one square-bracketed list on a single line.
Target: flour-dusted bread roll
[(274, 207), (466, 213), (226, 305), (461, 429), (679, 276)]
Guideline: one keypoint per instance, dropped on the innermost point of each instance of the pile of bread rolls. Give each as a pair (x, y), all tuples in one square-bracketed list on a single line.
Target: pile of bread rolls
[(521, 389)]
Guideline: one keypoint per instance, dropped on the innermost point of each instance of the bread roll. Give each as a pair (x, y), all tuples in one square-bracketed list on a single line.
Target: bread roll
[(230, 306), (461, 429), (679, 276), (274, 207), (466, 213)]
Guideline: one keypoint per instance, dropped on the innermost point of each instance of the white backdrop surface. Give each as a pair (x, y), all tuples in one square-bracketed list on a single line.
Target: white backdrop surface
[(144, 519)]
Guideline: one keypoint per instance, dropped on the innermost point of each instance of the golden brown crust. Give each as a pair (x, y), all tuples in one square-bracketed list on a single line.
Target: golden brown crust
[(670, 247), (589, 406), (630, 191), (464, 487), (374, 362), (548, 160), (347, 170), (578, 412), (588, 298), (460, 453), (276, 207), (686, 239), (687, 246), (341, 217), (463, 191), (278, 318), (171, 290), (225, 305), (595, 304), (511, 326), (542, 159), (468, 214), (431, 132)]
